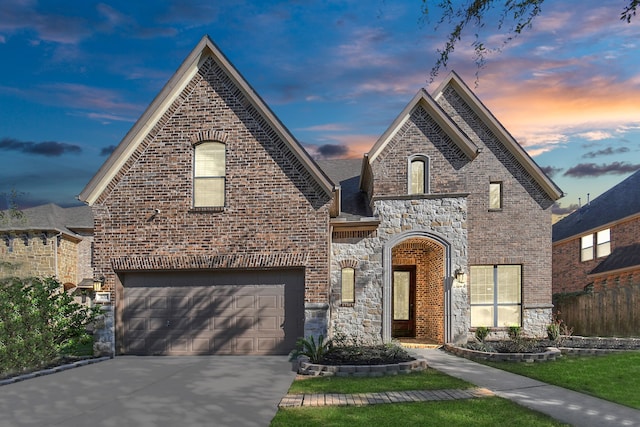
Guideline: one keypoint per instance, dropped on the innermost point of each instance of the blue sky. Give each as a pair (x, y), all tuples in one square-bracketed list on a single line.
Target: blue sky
[(76, 75)]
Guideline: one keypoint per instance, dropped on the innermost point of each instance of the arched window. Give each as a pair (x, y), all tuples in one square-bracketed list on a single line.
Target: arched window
[(419, 175), (209, 174)]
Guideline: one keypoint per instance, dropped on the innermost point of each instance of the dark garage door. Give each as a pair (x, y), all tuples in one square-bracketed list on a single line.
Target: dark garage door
[(229, 312)]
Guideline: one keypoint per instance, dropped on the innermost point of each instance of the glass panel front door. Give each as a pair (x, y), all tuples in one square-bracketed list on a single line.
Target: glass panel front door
[(403, 321)]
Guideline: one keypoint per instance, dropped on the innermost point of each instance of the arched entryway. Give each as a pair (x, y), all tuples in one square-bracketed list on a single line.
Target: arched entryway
[(416, 302)]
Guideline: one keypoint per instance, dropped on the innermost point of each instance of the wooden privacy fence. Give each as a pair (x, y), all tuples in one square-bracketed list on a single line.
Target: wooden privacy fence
[(610, 312)]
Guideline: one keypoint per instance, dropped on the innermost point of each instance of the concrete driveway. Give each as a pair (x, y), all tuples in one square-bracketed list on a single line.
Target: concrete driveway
[(153, 392)]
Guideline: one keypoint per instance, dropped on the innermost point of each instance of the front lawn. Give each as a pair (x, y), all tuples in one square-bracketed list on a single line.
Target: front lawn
[(428, 379), (485, 411), (612, 377)]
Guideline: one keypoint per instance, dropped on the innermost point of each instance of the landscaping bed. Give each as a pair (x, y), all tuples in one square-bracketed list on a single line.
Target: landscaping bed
[(342, 358), (541, 350)]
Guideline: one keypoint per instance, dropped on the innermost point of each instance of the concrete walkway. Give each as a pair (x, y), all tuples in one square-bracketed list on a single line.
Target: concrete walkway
[(564, 405)]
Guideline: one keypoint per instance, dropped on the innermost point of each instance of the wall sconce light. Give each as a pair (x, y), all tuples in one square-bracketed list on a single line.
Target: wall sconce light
[(460, 275), (97, 283)]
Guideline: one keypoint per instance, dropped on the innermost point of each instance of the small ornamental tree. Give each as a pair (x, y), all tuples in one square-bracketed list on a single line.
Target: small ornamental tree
[(37, 320)]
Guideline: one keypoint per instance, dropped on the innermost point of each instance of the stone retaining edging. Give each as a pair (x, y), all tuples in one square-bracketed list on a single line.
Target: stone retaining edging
[(611, 343), (591, 351), (551, 353), (53, 370), (314, 369)]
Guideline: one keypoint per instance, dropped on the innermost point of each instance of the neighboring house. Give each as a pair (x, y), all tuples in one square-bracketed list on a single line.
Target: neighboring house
[(598, 246), (217, 233), (48, 241)]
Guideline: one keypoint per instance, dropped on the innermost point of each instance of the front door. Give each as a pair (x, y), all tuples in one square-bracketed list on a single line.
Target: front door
[(403, 302)]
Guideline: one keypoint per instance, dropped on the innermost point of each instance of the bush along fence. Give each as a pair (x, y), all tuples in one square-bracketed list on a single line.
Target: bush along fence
[(613, 311), (39, 322)]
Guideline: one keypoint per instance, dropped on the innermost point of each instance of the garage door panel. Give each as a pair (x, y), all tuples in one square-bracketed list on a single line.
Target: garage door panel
[(157, 302), (156, 324), (202, 303), (179, 345), (201, 323), (245, 345), (267, 323), (137, 324), (213, 313), (247, 301), (222, 303), (200, 345), (179, 303), (264, 344), (270, 301)]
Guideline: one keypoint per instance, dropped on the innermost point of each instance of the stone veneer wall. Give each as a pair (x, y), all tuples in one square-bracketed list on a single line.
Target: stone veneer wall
[(439, 218), (28, 255), (68, 261), (104, 333)]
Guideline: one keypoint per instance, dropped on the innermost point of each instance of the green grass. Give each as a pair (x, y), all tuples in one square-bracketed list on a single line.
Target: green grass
[(428, 379), (612, 377), (486, 411)]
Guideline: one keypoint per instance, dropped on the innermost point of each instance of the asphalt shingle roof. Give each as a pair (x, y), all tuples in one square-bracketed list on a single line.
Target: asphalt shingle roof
[(619, 202), (346, 173), (50, 217), (622, 257)]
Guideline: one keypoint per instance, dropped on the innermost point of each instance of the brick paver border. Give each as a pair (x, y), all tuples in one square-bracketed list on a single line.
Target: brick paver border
[(362, 399)]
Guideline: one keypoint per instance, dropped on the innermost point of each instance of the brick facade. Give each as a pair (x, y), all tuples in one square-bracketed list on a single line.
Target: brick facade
[(570, 274), (277, 211), (520, 232), (274, 215)]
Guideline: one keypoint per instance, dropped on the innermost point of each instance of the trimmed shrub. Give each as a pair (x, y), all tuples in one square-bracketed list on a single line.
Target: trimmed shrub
[(37, 321)]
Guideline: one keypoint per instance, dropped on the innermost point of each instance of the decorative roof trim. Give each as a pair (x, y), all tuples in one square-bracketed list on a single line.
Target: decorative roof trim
[(422, 98), (508, 141), (186, 72)]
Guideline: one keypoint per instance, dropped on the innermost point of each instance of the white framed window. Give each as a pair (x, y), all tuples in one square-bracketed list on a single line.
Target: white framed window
[(209, 165), (495, 196), (348, 285), (586, 248), (418, 174), (603, 241), (496, 295), (597, 244)]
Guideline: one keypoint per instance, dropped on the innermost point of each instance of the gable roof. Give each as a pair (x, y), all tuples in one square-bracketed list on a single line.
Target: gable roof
[(51, 217), (422, 98), (454, 81), (617, 203), (205, 49)]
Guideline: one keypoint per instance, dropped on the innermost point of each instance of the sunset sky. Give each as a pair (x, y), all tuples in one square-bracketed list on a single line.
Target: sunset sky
[(75, 76)]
